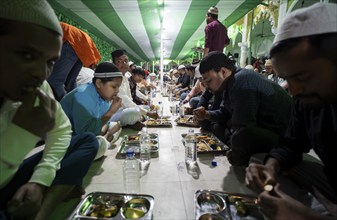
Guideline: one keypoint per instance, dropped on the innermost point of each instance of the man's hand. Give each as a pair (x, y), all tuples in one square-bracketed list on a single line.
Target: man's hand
[(38, 119), (152, 114), (186, 100), (201, 114), (281, 206), (26, 201), (257, 176)]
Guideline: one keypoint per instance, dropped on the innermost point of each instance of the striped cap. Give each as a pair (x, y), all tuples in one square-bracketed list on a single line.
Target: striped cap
[(109, 75)]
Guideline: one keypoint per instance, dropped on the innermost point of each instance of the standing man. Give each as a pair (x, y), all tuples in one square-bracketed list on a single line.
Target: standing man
[(216, 38), (78, 50), (304, 53)]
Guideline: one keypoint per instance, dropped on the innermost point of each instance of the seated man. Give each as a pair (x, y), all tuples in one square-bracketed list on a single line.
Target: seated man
[(273, 76), (90, 106), (254, 109), (211, 102), (305, 56), (130, 113), (137, 75), (183, 83), (31, 188), (193, 97)]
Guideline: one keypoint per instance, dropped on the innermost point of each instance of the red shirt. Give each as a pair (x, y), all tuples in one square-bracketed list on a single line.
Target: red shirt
[(216, 36)]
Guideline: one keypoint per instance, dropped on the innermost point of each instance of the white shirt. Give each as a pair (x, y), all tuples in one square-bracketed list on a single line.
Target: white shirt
[(16, 143), (125, 95)]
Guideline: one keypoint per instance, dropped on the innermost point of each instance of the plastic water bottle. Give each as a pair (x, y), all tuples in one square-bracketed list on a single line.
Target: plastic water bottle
[(145, 146), (153, 93), (160, 109), (190, 147), (181, 111), (131, 173)]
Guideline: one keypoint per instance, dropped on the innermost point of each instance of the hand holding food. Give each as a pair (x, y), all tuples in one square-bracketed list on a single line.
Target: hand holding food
[(37, 119), (153, 114), (201, 114), (258, 176)]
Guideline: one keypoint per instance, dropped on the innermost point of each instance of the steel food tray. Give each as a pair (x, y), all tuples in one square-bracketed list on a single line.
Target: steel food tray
[(224, 205), (132, 141), (186, 120), (105, 205), (208, 143), (161, 122)]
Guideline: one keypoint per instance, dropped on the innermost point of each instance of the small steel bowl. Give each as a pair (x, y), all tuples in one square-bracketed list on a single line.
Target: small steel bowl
[(136, 208), (153, 136), (210, 202)]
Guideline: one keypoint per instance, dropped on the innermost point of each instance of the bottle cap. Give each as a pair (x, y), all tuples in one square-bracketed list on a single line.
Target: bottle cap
[(214, 164), (130, 152)]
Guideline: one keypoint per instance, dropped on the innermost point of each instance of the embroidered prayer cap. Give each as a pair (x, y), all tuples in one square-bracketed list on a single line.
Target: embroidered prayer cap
[(268, 63), (130, 63), (181, 67), (118, 53), (319, 18), (195, 63), (107, 70), (213, 10), (213, 60), (37, 12), (152, 74)]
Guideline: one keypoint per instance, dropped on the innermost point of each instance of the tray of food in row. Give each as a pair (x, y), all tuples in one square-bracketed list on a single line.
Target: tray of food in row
[(164, 121), (186, 120), (133, 141), (223, 205), (208, 143), (103, 205)]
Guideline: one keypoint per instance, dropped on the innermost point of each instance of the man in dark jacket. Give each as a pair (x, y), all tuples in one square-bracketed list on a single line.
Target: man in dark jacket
[(255, 110)]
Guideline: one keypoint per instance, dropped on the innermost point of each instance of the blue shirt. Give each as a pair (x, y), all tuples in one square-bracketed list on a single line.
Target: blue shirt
[(84, 108)]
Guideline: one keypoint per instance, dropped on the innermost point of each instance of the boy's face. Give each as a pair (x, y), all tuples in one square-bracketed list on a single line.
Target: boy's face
[(27, 56), (109, 89)]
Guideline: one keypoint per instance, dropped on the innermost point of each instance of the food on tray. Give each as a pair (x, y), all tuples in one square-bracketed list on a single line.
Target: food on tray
[(133, 138), (201, 146), (102, 211), (158, 122), (241, 209), (188, 111)]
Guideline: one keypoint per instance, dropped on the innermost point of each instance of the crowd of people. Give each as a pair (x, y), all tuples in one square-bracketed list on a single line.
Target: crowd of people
[(54, 88)]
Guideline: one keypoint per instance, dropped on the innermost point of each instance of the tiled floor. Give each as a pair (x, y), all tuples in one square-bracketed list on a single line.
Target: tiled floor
[(167, 179)]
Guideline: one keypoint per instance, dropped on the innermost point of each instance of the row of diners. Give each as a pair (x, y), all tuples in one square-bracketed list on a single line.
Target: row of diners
[(265, 135)]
